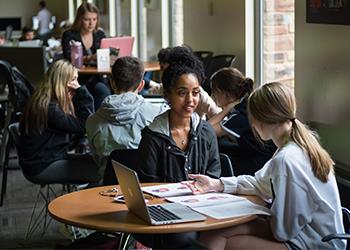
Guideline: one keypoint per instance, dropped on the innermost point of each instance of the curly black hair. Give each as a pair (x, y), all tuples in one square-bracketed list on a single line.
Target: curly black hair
[(163, 55), (181, 61)]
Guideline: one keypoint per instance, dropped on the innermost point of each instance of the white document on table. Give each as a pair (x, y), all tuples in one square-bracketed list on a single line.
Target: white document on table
[(168, 190), (220, 205)]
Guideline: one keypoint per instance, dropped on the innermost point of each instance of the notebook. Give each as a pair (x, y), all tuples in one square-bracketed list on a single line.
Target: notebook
[(157, 214), (123, 43)]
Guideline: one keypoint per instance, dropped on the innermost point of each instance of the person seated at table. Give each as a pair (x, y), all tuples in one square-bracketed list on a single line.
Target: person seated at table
[(299, 182), (57, 109), (230, 90), (85, 29), (178, 142), (118, 122), (206, 106), (152, 87), (27, 34)]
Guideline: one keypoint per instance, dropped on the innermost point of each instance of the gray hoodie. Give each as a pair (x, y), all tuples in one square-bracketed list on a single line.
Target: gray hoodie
[(117, 124)]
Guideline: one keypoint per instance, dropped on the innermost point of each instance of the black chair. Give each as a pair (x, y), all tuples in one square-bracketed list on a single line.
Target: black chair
[(127, 157), (226, 166), (46, 192), (204, 56), (346, 235), (15, 89), (8, 114), (215, 63)]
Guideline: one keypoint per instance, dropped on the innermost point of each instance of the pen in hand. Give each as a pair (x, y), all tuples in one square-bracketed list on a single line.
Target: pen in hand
[(204, 184)]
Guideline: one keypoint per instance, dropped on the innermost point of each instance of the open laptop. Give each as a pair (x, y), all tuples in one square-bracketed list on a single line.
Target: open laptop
[(160, 214), (123, 43)]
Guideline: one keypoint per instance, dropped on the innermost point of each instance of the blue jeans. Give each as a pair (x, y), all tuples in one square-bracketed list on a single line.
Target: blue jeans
[(76, 168), (98, 88)]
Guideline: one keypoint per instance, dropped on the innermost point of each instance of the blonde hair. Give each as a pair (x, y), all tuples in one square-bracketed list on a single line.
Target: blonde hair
[(81, 11), (274, 103), (53, 88)]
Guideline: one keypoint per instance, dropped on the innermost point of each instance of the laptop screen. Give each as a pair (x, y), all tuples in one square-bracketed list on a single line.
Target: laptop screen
[(130, 186), (123, 43)]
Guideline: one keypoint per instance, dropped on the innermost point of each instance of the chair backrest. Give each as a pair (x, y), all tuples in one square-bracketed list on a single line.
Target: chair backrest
[(215, 63), (14, 133), (6, 81), (342, 236), (346, 219), (19, 88), (127, 157), (204, 56), (13, 129), (218, 62), (226, 166)]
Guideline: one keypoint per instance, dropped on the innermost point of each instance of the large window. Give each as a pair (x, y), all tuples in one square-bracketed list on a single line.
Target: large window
[(269, 56)]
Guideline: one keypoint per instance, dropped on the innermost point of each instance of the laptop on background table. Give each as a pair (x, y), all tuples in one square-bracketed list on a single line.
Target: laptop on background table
[(123, 43), (156, 214)]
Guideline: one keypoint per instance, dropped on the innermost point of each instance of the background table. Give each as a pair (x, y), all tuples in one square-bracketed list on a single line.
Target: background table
[(88, 209), (149, 66)]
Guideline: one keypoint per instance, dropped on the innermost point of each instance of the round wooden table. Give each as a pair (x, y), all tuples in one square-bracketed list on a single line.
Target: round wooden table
[(89, 209)]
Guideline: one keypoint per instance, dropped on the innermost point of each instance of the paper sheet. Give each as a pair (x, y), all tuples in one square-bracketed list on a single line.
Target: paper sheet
[(167, 190), (233, 209)]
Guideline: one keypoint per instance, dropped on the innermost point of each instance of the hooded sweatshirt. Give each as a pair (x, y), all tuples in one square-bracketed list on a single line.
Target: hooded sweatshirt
[(117, 124)]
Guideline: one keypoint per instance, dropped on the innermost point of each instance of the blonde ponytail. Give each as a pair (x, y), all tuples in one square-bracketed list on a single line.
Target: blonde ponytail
[(321, 162), (274, 103)]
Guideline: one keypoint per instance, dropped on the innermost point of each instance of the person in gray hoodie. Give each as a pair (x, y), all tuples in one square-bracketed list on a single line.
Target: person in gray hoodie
[(117, 124)]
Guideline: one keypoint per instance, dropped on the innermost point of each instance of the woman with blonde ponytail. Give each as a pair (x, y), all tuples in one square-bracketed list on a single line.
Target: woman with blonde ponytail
[(298, 182), (57, 110)]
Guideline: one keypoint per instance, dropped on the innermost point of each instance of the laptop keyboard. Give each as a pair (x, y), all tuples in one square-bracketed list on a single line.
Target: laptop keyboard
[(158, 213)]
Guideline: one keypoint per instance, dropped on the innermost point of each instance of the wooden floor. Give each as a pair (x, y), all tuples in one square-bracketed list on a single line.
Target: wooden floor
[(15, 214)]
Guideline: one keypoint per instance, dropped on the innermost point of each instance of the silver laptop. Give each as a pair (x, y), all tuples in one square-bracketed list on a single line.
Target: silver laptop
[(166, 213)]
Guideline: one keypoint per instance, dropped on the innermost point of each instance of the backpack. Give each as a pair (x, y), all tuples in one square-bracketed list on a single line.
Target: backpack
[(20, 88)]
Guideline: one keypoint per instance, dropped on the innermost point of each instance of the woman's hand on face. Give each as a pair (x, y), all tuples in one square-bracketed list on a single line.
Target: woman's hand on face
[(73, 85), (204, 184)]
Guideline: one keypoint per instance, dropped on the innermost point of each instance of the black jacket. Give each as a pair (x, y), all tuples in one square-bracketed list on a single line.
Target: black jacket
[(248, 155), (160, 160), (69, 35), (40, 150)]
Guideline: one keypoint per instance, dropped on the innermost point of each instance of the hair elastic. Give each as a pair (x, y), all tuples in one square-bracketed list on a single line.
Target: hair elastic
[(292, 119)]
